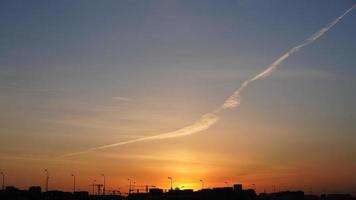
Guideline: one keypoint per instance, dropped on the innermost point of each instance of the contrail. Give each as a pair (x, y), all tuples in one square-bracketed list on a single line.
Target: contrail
[(209, 119)]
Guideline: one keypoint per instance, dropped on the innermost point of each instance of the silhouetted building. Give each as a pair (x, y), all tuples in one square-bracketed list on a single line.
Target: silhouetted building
[(35, 190), (237, 187), (287, 195), (11, 189), (155, 191), (220, 193)]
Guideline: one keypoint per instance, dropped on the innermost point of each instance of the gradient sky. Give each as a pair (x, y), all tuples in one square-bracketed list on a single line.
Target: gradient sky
[(80, 74)]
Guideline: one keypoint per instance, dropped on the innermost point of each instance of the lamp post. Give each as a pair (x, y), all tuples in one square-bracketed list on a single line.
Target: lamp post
[(47, 177), (73, 183), (3, 180), (133, 185), (104, 184), (129, 186), (202, 184), (94, 187), (171, 182)]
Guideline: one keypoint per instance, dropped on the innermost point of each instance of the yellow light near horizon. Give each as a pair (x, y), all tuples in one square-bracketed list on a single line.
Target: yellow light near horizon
[(187, 185)]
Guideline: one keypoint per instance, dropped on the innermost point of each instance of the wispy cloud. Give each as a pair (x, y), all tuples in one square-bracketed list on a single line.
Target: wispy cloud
[(209, 119), (124, 99)]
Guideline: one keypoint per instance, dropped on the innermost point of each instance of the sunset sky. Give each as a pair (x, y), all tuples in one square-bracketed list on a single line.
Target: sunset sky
[(76, 75)]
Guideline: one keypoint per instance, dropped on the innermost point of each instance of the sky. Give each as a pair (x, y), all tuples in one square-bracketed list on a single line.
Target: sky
[(75, 75)]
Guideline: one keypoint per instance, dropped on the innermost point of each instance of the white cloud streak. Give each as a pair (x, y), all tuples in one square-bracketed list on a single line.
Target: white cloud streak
[(124, 99), (209, 119)]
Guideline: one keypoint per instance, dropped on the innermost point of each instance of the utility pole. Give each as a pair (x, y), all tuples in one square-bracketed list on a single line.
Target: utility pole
[(73, 183), (3, 180), (202, 184), (47, 177), (171, 182), (104, 184)]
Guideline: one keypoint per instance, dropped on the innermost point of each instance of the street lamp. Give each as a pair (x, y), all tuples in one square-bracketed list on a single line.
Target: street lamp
[(3, 180), (94, 187), (47, 177), (104, 184), (202, 184), (129, 186), (171, 182), (73, 183), (133, 185)]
